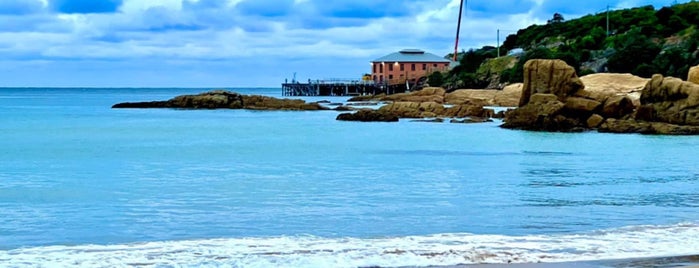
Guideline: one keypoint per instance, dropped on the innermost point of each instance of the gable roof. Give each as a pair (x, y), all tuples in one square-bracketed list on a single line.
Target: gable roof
[(411, 55)]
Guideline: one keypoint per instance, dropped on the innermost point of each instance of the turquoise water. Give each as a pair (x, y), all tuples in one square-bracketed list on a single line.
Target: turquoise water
[(84, 184)]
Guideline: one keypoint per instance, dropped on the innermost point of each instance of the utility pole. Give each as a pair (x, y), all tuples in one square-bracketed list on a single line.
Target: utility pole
[(498, 43), (607, 20), (458, 30)]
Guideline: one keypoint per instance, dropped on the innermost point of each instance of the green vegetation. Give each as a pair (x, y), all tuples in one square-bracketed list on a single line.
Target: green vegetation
[(642, 41)]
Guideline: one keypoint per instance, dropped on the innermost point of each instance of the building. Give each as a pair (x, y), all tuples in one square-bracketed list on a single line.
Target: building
[(407, 65)]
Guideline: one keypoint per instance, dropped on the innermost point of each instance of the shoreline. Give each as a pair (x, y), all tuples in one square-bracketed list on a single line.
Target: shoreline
[(687, 261)]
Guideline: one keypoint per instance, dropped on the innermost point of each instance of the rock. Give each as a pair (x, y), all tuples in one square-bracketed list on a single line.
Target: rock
[(435, 120), (367, 98), (413, 109), (670, 100), (601, 86), (344, 108), (542, 113), (581, 105), (499, 115), (625, 126), (549, 77), (618, 107), (471, 96), (471, 120), (594, 121), (367, 116), (220, 99), (465, 110), (643, 127), (429, 94), (693, 75), (507, 97)]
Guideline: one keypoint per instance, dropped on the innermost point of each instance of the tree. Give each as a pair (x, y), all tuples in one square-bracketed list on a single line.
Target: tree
[(632, 50), (557, 18)]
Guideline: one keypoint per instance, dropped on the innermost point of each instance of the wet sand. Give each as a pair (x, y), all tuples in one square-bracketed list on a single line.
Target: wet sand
[(661, 262)]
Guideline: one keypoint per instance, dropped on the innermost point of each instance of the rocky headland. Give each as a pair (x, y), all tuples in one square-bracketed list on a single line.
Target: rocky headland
[(221, 99), (555, 99)]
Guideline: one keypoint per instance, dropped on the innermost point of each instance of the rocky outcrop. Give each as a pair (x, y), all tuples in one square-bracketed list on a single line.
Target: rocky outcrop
[(644, 127), (670, 100), (368, 116), (549, 77), (693, 75), (556, 100), (507, 97), (220, 99), (433, 109)]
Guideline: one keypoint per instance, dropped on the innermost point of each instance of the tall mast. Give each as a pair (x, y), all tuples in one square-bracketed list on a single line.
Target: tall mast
[(458, 30)]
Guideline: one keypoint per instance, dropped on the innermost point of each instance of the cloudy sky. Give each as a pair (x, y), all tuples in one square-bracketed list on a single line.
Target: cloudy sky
[(243, 43)]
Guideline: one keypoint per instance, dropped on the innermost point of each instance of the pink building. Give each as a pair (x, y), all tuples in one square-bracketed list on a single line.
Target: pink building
[(407, 65)]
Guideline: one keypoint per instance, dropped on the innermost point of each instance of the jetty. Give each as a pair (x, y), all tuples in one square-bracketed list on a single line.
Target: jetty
[(341, 87)]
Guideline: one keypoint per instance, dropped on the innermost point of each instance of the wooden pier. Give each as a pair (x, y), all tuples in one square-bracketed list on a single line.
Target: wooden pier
[(340, 87)]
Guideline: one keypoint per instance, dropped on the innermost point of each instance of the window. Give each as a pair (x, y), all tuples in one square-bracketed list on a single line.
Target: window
[(412, 67), (446, 65), (390, 67), (402, 67), (374, 70), (381, 68), (390, 77), (434, 65), (374, 78), (424, 66), (381, 78)]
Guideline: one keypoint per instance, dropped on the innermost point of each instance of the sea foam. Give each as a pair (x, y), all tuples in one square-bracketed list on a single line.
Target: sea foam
[(307, 251)]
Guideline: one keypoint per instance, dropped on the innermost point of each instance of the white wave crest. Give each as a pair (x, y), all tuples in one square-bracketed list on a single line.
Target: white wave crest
[(440, 249)]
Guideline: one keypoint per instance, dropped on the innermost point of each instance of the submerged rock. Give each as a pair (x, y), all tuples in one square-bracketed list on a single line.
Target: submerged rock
[(220, 99), (368, 116)]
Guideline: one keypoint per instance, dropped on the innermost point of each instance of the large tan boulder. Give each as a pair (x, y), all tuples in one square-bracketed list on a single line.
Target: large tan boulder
[(543, 112), (509, 96), (693, 75), (581, 105), (549, 77), (670, 100), (602, 86)]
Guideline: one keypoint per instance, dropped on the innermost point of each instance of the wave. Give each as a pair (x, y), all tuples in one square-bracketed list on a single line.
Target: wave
[(431, 250)]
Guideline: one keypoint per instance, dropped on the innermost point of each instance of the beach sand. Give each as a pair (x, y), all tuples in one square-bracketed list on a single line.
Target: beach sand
[(661, 262)]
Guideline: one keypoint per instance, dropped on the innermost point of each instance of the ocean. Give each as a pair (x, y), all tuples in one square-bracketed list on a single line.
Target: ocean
[(82, 184)]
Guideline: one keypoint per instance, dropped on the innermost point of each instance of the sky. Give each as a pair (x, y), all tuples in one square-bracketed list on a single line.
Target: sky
[(245, 43)]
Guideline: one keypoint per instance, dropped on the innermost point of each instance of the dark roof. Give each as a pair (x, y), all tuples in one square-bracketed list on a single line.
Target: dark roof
[(411, 55)]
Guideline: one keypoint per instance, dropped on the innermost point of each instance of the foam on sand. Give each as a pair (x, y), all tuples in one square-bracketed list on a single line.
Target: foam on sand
[(440, 249)]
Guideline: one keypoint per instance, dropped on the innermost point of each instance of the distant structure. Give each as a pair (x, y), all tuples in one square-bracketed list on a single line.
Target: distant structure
[(407, 67), (397, 72)]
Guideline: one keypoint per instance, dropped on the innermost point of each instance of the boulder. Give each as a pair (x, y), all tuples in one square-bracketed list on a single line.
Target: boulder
[(581, 105), (617, 107), (669, 100), (594, 121), (549, 77), (367, 116), (465, 110), (541, 113), (693, 75), (220, 99), (601, 86)]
